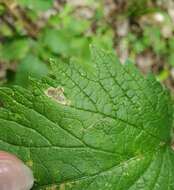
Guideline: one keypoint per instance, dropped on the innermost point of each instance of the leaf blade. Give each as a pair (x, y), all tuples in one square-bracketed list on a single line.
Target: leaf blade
[(103, 127)]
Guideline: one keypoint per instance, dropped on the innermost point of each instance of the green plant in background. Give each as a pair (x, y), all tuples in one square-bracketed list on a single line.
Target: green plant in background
[(36, 6), (138, 8), (32, 32), (62, 35), (156, 38), (40, 30), (101, 125)]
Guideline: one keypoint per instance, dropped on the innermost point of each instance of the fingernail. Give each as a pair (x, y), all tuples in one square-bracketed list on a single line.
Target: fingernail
[(14, 174)]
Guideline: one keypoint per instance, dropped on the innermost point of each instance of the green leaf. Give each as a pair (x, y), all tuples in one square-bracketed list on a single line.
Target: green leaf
[(14, 50), (38, 5), (171, 59), (57, 41), (2, 9), (154, 38), (30, 66), (87, 127)]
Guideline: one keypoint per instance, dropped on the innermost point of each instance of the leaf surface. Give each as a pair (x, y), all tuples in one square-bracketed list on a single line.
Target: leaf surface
[(87, 127)]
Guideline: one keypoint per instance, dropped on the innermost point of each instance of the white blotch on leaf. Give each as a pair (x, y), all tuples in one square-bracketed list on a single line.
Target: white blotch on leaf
[(58, 95)]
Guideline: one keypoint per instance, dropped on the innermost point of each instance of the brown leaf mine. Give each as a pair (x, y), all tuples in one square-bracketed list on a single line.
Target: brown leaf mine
[(58, 95)]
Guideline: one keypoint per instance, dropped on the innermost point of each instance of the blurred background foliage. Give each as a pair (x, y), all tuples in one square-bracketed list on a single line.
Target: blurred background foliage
[(34, 31)]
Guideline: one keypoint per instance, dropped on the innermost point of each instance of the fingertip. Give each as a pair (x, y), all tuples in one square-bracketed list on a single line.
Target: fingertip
[(14, 174)]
